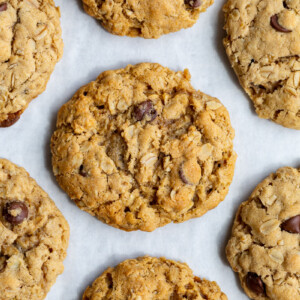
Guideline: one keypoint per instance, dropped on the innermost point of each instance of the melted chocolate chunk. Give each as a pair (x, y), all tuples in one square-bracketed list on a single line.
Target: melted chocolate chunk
[(145, 110), (292, 225), (11, 119), (277, 26), (82, 172), (255, 284), (3, 7), (182, 176), (193, 3), (15, 212)]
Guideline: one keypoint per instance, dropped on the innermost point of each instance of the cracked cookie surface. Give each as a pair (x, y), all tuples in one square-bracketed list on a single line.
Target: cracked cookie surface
[(263, 46), (31, 45), (264, 246), (33, 236), (154, 279), (148, 19), (139, 148)]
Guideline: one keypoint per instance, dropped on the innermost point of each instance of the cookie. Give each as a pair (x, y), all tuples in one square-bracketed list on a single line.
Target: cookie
[(152, 278), (263, 46), (264, 246), (147, 19), (31, 45), (139, 148), (33, 236)]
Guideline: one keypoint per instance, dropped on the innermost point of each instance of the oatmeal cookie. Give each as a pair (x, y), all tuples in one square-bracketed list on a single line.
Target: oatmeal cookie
[(31, 45), (139, 148), (264, 246), (152, 278), (148, 19), (263, 46), (34, 236)]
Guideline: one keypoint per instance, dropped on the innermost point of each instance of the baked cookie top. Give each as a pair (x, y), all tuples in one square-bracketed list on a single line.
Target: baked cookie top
[(264, 246), (33, 236), (152, 278), (139, 148), (148, 19), (263, 46), (31, 45)]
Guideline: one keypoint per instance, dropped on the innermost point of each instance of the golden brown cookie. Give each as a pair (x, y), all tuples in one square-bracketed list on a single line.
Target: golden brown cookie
[(263, 46), (30, 46), (139, 148), (148, 19), (34, 236), (152, 278), (264, 246)]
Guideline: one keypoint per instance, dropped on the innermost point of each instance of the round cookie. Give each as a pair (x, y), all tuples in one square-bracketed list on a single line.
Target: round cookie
[(31, 45), (139, 148), (33, 236), (264, 246), (152, 278), (263, 46), (148, 19)]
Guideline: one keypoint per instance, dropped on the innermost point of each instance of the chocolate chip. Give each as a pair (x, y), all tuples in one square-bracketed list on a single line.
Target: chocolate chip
[(11, 119), (3, 7), (182, 176), (292, 225), (82, 172), (285, 5), (15, 212), (145, 110), (255, 284), (277, 26), (193, 3)]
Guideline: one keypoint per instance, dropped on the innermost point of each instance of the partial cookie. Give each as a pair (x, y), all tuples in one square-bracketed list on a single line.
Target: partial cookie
[(31, 45), (264, 246), (263, 46), (139, 148), (152, 278), (34, 236), (148, 19)]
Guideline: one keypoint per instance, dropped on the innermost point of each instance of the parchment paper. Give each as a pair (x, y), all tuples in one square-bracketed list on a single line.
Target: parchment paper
[(262, 147)]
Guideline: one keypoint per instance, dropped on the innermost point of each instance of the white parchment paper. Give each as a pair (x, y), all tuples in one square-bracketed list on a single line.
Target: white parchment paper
[(262, 147)]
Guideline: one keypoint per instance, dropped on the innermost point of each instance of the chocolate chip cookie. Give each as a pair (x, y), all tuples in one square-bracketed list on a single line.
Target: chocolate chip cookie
[(33, 236), (139, 148), (31, 45), (152, 278), (264, 246), (148, 19), (263, 46)]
